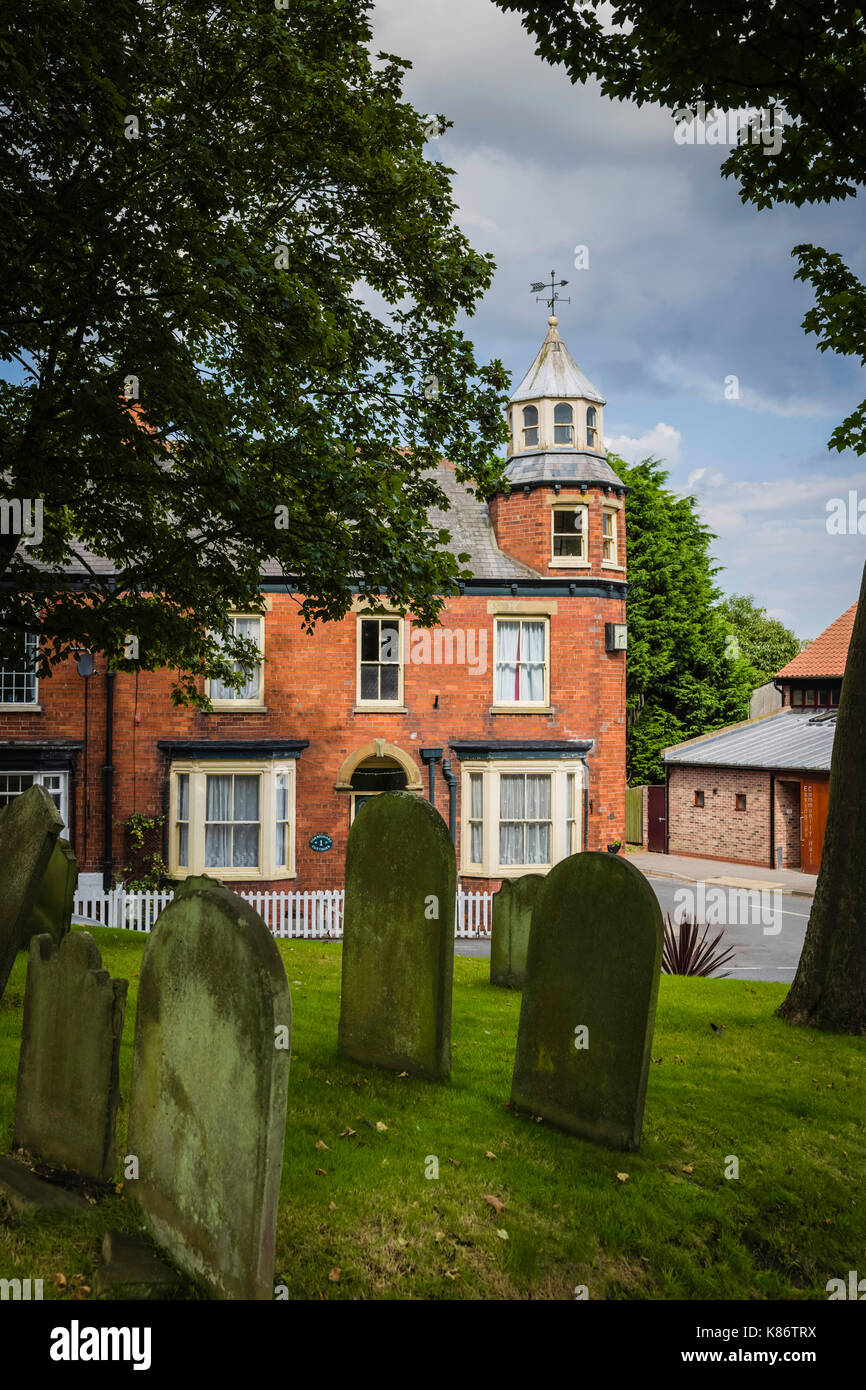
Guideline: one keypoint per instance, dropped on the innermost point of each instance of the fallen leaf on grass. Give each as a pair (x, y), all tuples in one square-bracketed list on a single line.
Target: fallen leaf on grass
[(334, 1276), (494, 1202), (60, 1281), (452, 1274), (455, 1161), (402, 1073), (556, 1206), (321, 1172), (503, 1235), (332, 1206), (380, 1126), (688, 1167), (488, 1154), (349, 1134), (320, 1144), (439, 1235), (623, 1177)]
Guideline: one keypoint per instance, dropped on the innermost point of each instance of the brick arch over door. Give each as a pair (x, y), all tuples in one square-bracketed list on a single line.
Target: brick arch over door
[(379, 748)]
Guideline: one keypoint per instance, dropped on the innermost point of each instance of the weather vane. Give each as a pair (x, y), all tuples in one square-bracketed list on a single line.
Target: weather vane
[(553, 287)]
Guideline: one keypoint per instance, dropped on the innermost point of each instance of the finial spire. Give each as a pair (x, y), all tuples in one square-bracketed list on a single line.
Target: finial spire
[(553, 287)]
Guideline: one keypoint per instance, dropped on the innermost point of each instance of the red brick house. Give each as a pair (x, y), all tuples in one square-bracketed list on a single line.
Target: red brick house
[(510, 717), (757, 792)]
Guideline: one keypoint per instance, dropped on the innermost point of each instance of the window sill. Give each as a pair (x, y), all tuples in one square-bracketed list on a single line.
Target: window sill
[(521, 709), (14, 707), (234, 875), (564, 563), (611, 565), (379, 708), (234, 707), (506, 871)]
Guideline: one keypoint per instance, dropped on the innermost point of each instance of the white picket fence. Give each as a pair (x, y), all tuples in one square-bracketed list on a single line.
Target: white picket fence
[(317, 914)]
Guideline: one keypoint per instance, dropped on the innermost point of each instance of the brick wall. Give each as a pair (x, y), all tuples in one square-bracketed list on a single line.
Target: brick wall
[(718, 830), (309, 693)]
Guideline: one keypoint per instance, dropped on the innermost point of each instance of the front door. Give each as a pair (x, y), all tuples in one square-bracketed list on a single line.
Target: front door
[(814, 798), (656, 819)]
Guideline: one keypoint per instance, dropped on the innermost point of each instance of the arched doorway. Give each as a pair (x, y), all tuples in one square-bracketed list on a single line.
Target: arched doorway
[(375, 768)]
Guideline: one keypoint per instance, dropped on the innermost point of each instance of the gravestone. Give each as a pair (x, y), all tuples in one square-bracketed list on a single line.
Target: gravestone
[(29, 829), (398, 937), (509, 929), (589, 998), (208, 1102), (68, 1088), (55, 900)]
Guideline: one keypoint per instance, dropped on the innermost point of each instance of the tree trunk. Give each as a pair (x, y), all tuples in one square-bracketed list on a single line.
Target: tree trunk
[(829, 989)]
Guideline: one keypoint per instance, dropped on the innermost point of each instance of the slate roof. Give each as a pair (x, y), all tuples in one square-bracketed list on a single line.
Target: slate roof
[(826, 656), (561, 466), (471, 529), (790, 740), (555, 373)]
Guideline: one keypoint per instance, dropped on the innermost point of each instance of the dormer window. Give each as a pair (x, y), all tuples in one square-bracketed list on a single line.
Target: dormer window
[(530, 426), (563, 423), (591, 428)]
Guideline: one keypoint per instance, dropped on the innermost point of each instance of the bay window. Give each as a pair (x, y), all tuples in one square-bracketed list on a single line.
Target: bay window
[(232, 820), (520, 815)]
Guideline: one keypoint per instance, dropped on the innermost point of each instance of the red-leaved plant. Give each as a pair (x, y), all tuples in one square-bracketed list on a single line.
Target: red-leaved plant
[(687, 953)]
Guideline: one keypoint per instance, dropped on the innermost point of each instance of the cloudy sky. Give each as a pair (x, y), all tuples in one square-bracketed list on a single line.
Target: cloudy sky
[(685, 287)]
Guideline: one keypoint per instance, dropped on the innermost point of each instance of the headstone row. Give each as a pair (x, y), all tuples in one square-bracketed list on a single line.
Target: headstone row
[(583, 941)]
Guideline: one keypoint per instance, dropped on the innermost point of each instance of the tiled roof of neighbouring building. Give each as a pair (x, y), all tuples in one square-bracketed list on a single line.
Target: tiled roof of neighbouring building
[(826, 656)]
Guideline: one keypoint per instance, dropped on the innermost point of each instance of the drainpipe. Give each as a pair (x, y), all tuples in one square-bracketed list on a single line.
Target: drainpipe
[(585, 804), (108, 778), (431, 756), (772, 821), (452, 798)]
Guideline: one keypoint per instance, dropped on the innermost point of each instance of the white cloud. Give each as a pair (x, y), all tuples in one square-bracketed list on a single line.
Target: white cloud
[(662, 442), (684, 376)]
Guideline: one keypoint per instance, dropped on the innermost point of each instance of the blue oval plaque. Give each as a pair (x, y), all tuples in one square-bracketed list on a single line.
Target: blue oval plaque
[(321, 842)]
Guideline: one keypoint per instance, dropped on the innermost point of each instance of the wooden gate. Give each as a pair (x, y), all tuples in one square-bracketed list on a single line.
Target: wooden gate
[(814, 798), (656, 820)]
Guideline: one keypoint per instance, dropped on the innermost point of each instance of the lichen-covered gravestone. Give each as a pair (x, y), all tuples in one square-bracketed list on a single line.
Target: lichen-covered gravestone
[(68, 1088), (509, 930), (55, 900), (29, 829), (589, 998), (398, 937), (208, 1102)]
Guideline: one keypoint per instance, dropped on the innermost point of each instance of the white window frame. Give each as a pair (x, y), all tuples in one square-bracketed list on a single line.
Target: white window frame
[(581, 561), (566, 831), (39, 779), (267, 769), (234, 701), (591, 428), (31, 648), (526, 429), (562, 425), (613, 559), (396, 703), (528, 705)]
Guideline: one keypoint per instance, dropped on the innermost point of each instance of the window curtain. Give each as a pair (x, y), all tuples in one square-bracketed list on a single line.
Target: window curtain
[(538, 811), (507, 648), (231, 816), (532, 667), (511, 813)]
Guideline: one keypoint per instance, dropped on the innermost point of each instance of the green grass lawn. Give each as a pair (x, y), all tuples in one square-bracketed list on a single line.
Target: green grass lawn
[(790, 1104)]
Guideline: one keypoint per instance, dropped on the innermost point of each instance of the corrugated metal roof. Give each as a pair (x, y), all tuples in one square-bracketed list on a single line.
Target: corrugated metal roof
[(555, 373), (789, 740)]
